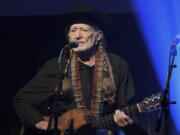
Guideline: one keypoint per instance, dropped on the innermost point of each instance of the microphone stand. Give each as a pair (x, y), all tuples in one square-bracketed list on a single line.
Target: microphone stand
[(64, 56), (166, 92)]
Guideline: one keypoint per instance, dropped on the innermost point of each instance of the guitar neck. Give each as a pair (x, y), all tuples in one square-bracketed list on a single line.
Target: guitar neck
[(108, 120)]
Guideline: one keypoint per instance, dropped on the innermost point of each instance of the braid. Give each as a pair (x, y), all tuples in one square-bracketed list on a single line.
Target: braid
[(109, 86)]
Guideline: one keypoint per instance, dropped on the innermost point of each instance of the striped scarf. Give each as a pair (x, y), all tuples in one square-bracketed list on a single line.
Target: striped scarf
[(102, 69)]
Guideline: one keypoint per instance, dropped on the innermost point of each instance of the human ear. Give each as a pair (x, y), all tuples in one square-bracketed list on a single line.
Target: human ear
[(99, 35)]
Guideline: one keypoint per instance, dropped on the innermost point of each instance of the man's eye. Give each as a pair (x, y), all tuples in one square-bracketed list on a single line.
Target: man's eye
[(73, 30), (85, 30)]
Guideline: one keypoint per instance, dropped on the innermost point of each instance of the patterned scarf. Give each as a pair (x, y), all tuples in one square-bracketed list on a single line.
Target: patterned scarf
[(102, 69)]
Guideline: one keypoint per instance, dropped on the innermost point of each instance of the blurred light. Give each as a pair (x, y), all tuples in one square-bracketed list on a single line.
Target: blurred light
[(159, 21)]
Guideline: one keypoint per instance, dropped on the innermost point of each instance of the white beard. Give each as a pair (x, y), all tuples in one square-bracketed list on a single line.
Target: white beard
[(85, 47)]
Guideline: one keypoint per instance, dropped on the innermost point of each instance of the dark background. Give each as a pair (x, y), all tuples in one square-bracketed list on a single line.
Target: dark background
[(47, 7), (29, 40)]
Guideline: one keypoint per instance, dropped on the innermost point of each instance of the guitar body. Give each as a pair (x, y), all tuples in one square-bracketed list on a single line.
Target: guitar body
[(79, 122), (71, 120)]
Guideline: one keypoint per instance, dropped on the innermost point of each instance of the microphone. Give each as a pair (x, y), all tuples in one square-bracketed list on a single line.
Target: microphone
[(72, 44), (176, 41), (65, 50), (175, 44)]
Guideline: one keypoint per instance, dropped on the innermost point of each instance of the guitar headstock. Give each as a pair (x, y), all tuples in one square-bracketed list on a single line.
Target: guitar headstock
[(150, 104)]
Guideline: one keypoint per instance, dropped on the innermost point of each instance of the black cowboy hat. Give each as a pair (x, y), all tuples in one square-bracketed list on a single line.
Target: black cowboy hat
[(83, 13)]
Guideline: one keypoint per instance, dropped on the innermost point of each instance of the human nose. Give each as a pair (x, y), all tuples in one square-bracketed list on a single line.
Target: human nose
[(78, 34)]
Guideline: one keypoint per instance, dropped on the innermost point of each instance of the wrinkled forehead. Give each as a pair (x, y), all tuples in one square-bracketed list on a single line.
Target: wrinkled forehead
[(81, 25), (83, 22)]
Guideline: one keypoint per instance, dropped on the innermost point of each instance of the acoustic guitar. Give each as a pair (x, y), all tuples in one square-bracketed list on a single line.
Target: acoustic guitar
[(75, 119)]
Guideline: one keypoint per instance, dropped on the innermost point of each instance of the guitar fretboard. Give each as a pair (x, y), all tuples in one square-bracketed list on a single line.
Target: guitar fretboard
[(107, 121)]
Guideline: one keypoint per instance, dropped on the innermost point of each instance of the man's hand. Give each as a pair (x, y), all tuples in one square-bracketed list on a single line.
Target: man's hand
[(121, 119), (42, 125)]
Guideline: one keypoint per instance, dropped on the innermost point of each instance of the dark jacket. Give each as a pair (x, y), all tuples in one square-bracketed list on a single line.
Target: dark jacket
[(30, 100)]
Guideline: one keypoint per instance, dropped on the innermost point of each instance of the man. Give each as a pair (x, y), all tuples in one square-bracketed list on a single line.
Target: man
[(95, 79)]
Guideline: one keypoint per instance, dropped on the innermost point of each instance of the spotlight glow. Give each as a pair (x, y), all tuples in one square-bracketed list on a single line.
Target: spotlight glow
[(160, 23)]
